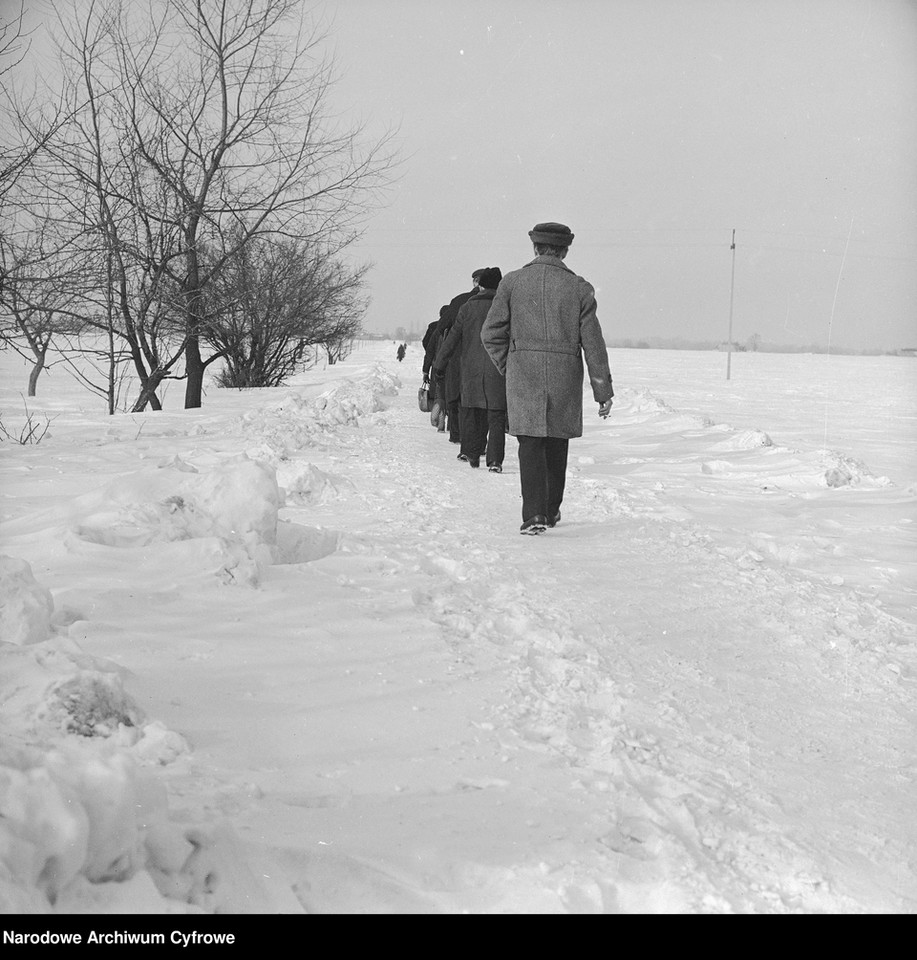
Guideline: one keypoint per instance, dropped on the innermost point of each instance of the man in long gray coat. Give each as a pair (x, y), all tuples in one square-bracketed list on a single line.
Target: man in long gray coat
[(542, 321)]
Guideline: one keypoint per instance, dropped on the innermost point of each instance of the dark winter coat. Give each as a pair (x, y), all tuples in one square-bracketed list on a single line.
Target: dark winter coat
[(542, 321), (429, 343), (482, 384), (450, 389)]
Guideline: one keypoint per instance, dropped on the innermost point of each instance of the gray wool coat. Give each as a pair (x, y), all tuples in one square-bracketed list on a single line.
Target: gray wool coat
[(541, 323), (483, 385)]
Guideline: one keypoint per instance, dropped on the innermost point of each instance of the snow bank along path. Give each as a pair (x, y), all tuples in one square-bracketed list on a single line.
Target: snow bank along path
[(644, 709)]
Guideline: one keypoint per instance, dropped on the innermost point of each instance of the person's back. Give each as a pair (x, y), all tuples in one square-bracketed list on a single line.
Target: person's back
[(430, 342), (542, 321), (483, 389), (448, 388), (452, 384), (482, 384), (553, 319)]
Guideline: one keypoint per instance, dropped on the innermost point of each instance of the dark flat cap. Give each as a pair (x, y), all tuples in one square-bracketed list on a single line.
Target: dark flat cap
[(557, 234)]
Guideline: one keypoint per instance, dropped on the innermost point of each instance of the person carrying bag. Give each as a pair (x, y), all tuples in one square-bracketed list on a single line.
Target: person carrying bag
[(425, 396)]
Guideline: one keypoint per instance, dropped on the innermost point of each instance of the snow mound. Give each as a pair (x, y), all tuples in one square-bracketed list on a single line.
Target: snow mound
[(84, 830), (795, 470), (643, 401), (305, 483), (159, 745), (52, 690), (238, 501), (348, 401), (176, 463), (845, 471), (223, 520), (300, 544), (25, 606), (84, 822), (295, 421), (640, 405), (92, 704), (744, 440)]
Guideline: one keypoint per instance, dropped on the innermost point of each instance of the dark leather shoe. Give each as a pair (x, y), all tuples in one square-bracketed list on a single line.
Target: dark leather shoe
[(554, 520), (474, 462), (534, 525)]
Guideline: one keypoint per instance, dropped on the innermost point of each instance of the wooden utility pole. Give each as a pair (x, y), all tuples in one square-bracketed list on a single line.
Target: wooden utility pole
[(732, 287)]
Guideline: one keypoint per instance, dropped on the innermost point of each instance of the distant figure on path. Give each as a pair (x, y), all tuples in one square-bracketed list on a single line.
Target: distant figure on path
[(401, 350), (543, 319), (483, 388)]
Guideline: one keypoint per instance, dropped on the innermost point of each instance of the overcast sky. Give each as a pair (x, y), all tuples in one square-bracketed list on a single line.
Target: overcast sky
[(653, 128)]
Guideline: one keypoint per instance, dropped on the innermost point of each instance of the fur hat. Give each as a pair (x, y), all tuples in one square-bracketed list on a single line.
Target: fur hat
[(477, 273), (490, 278), (557, 234)]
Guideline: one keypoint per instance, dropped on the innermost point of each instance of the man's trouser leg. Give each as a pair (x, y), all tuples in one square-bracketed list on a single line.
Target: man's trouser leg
[(496, 437), (472, 436), (455, 430), (533, 477), (543, 475), (556, 473)]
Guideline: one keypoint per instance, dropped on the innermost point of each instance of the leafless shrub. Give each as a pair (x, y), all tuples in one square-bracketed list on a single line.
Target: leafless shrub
[(33, 430)]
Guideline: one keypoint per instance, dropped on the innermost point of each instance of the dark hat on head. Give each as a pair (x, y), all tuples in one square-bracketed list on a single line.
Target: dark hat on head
[(476, 273), (557, 234), (490, 278)]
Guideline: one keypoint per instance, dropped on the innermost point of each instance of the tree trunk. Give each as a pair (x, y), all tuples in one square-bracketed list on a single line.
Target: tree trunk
[(112, 366), (148, 396), (37, 367), (194, 365), (194, 370), (149, 384)]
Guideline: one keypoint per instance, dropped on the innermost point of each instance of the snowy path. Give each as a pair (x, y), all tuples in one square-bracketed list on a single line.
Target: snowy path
[(419, 710), (640, 707), (706, 724)]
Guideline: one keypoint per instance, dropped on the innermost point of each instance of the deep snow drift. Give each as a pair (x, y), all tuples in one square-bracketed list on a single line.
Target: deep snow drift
[(285, 654)]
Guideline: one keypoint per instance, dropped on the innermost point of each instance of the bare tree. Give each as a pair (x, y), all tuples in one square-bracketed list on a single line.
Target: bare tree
[(11, 55), (13, 46), (19, 144), (338, 349), (100, 190), (201, 128), (233, 124), (61, 254), (28, 319), (279, 299)]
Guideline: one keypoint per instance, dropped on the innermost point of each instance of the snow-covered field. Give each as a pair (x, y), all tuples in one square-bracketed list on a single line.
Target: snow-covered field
[(285, 654)]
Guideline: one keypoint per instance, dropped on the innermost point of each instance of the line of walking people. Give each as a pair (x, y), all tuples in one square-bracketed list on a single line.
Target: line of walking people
[(507, 356), (469, 392)]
